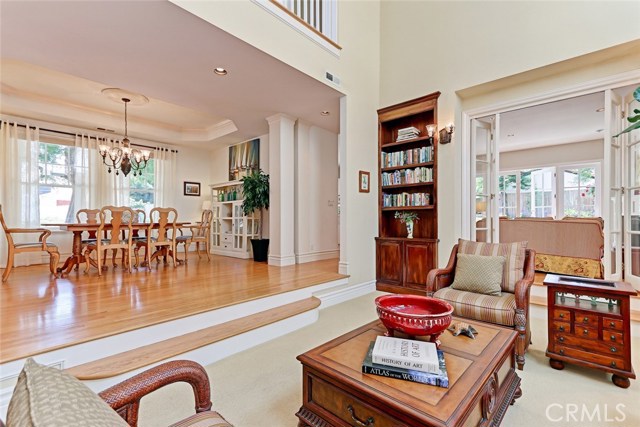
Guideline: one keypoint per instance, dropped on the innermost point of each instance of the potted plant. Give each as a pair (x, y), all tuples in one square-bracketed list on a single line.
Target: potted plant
[(255, 188), (408, 217)]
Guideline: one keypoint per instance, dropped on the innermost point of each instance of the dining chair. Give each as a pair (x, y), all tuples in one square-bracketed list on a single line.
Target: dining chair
[(114, 220), (200, 233), (40, 246), (160, 237), (89, 216)]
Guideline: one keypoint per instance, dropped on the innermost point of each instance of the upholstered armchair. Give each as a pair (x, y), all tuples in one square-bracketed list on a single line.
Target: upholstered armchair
[(53, 397), (510, 308)]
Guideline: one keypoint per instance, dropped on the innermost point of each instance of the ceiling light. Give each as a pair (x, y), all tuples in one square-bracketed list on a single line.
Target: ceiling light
[(325, 113), (125, 158), (600, 110), (599, 130), (510, 135), (220, 71)]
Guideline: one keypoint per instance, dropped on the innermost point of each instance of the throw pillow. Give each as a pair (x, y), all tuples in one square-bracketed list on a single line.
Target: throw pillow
[(479, 274), (49, 397), (514, 262)]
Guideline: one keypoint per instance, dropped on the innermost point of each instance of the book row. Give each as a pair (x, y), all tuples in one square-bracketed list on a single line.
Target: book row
[(407, 176), (407, 157), (405, 199)]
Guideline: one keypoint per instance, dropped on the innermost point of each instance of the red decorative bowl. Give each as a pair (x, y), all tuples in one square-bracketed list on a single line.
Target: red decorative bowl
[(414, 315)]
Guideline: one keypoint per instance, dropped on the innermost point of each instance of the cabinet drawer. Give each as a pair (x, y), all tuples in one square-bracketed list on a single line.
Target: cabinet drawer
[(563, 315), (613, 337), (601, 347), (562, 327), (610, 323), (346, 407), (585, 332), (609, 362), (586, 320)]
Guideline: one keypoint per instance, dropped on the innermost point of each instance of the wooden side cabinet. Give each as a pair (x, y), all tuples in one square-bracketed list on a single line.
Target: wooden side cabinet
[(402, 264), (589, 325)]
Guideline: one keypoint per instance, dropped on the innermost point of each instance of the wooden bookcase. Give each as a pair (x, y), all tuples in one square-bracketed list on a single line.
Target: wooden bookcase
[(402, 264)]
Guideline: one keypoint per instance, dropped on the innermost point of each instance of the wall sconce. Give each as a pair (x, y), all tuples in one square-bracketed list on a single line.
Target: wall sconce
[(445, 133), (431, 130)]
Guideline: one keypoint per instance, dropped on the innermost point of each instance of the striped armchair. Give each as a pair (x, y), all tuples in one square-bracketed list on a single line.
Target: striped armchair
[(511, 309)]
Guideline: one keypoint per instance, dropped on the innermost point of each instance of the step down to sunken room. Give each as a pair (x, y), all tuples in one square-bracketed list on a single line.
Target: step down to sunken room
[(131, 360)]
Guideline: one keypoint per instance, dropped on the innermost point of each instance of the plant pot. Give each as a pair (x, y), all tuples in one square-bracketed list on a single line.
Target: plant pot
[(409, 225), (260, 249)]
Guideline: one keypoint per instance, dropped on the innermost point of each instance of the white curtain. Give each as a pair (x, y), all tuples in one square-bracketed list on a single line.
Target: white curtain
[(165, 163), (19, 191)]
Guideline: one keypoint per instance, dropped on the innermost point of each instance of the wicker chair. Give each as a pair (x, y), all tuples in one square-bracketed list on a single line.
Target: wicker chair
[(511, 310), (40, 246)]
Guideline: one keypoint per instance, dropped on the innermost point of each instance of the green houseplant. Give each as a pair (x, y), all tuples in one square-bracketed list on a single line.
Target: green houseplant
[(255, 188), (634, 120)]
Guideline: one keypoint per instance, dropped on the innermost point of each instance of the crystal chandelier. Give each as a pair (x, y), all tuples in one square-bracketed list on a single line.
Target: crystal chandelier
[(125, 158)]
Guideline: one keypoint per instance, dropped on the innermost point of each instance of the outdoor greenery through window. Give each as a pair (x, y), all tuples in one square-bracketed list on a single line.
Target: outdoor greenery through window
[(532, 192), (142, 188)]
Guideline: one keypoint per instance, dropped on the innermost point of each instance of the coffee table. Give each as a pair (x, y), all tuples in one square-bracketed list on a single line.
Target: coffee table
[(482, 383)]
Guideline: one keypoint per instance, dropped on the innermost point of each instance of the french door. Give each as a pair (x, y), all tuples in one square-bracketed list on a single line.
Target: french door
[(484, 176)]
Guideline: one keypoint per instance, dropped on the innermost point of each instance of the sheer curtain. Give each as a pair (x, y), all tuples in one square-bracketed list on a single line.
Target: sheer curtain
[(165, 163), (19, 191)]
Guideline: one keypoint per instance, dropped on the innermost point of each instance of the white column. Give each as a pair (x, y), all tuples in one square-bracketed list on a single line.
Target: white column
[(343, 266), (302, 191), (281, 195)]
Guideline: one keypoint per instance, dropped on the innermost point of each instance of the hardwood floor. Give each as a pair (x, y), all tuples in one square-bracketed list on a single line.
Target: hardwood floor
[(39, 313)]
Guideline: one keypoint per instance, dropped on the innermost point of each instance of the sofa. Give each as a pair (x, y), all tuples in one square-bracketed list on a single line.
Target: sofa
[(573, 246)]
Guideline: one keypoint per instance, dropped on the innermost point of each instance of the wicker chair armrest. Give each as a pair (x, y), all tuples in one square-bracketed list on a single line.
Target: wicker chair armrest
[(125, 397)]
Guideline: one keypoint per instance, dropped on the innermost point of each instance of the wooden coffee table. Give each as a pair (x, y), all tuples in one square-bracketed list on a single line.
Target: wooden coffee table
[(482, 383)]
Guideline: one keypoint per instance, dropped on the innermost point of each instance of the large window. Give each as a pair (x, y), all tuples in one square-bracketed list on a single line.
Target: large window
[(532, 192), (142, 189)]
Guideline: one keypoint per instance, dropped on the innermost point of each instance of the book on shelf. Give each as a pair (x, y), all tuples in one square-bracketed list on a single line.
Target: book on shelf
[(406, 353), (440, 379)]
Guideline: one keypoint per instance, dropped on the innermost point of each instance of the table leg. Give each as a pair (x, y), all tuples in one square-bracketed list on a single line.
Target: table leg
[(76, 255)]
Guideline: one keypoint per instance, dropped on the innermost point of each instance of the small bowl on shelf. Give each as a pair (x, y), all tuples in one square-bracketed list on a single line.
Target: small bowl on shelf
[(414, 315)]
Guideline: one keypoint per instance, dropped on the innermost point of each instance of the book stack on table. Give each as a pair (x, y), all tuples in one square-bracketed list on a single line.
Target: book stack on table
[(406, 359)]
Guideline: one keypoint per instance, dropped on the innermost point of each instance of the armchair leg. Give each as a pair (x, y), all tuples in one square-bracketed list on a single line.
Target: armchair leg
[(7, 269), (522, 339)]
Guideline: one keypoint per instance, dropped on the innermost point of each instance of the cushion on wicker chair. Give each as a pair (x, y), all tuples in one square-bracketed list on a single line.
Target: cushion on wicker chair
[(514, 254), (486, 308), (203, 419), (49, 397)]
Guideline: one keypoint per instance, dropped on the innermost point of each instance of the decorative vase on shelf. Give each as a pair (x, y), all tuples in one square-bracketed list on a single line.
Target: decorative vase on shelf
[(409, 229)]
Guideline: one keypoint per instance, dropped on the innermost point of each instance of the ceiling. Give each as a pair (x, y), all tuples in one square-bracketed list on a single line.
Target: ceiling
[(57, 56)]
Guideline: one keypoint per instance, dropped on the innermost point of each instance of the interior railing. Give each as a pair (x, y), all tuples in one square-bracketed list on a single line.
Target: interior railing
[(319, 15)]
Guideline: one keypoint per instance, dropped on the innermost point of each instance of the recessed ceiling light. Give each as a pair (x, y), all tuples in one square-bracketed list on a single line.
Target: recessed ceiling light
[(220, 71), (510, 135), (599, 130), (600, 110), (325, 113)]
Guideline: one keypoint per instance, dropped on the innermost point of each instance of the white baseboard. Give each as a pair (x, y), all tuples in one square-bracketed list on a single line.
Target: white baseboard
[(282, 260), (343, 267), (336, 295), (317, 256), (234, 254)]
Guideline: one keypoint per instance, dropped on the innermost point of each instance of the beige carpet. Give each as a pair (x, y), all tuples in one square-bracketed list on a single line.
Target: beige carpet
[(261, 387)]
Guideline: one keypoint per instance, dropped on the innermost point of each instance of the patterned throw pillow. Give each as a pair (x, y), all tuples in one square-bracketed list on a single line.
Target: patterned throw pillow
[(513, 252), (479, 274), (49, 397)]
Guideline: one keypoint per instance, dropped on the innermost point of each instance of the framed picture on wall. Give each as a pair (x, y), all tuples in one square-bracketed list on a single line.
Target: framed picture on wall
[(363, 178), (191, 188)]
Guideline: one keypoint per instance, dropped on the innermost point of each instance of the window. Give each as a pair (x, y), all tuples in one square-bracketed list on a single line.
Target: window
[(142, 189), (508, 195), (579, 188)]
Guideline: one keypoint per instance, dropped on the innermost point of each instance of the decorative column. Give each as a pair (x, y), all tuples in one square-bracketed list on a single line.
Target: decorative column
[(302, 191), (281, 195)]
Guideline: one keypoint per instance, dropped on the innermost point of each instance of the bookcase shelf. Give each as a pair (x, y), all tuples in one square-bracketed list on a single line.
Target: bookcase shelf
[(402, 263)]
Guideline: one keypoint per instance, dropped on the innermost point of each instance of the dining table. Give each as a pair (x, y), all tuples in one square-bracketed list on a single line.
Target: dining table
[(76, 258)]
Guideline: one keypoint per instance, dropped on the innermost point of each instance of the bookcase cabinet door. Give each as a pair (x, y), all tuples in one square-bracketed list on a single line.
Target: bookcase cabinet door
[(389, 262), (419, 260)]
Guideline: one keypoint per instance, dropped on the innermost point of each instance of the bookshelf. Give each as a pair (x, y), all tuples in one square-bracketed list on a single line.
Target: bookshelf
[(407, 181), (231, 230)]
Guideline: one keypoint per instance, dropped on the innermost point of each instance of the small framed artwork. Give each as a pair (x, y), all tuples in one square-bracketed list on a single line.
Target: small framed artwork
[(363, 178), (191, 188)]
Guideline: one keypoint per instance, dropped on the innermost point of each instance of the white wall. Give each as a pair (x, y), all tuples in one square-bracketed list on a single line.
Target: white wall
[(193, 166), (456, 45), (577, 152)]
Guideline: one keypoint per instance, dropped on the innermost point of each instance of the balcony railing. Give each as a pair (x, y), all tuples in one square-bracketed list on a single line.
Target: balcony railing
[(321, 16)]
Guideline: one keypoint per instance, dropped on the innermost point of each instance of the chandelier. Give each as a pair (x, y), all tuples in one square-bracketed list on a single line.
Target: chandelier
[(124, 158)]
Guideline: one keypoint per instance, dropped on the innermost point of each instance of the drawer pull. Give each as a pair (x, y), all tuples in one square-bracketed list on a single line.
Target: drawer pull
[(612, 324), (613, 337), (370, 421), (585, 332), (613, 349), (561, 351), (561, 339), (613, 364), (585, 320), (561, 328), (561, 315)]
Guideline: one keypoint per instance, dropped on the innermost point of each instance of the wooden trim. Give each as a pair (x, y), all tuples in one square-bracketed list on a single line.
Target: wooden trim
[(146, 355), (302, 21)]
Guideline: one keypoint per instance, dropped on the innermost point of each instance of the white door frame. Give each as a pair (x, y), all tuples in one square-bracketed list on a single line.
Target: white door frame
[(599, 85)]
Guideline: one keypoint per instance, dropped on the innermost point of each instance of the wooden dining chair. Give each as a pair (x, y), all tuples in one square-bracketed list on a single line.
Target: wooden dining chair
[(160, 236), (89, 216), (200, 233), (40, 246), (114, 220)]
